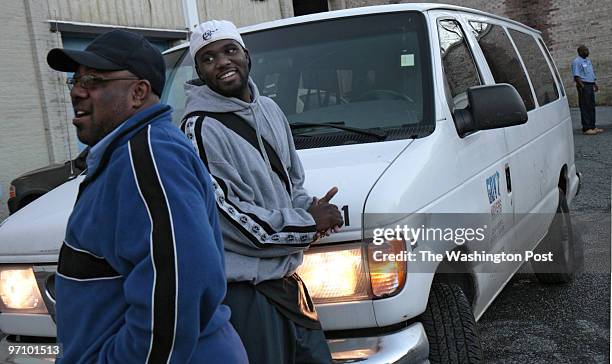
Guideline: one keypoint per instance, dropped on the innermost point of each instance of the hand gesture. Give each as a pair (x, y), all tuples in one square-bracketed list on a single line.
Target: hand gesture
[(328, 196), (327, 216)]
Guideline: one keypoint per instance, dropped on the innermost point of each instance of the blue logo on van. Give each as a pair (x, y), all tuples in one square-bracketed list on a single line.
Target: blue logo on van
[(493, 187)]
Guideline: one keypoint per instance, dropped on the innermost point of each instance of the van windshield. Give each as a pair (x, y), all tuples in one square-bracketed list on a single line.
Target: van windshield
[(336, 77)]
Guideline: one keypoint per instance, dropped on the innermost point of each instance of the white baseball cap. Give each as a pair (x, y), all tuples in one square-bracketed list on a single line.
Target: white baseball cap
[(212, 31)]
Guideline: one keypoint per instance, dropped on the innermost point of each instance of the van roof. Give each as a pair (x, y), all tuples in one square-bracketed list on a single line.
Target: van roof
[(422, 7), (366, 10)]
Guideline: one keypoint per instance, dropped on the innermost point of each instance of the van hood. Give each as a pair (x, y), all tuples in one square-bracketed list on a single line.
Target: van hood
[(34, 234), (354, 169)]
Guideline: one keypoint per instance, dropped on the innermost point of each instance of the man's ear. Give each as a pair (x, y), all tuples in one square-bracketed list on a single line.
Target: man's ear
[(140, 93), (248, 56)]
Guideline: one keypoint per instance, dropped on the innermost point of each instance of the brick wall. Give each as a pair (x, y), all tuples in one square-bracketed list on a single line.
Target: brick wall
[(565, 24), (574, 22)]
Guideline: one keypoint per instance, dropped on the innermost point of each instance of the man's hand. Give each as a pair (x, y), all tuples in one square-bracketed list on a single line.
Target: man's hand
[(595, 88), (328, 196), (326, 215)]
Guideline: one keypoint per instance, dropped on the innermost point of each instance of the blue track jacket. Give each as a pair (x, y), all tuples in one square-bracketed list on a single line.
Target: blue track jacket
[(140, 276)]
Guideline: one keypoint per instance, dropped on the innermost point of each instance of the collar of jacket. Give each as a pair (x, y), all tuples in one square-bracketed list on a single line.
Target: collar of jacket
[(100, 153)]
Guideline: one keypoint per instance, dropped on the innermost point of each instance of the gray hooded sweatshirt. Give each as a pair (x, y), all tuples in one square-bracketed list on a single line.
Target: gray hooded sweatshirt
[(264, 221)]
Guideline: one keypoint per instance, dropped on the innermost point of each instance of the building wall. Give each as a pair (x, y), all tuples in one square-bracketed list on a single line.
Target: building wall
[(565, 24), (165, 14), (35, 109), (240, 12), (33, 127), (139, 13)]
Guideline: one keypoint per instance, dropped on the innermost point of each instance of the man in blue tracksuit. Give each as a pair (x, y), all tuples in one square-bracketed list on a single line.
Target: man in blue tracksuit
[(140, 274)]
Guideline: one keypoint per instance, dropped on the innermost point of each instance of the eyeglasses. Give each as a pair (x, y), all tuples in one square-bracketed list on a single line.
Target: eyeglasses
[(90, 81)]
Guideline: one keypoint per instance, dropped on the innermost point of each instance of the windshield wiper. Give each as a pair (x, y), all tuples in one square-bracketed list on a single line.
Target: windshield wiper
[(379, 136)]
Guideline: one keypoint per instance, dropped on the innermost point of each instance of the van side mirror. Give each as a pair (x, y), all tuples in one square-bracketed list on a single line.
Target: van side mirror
[(490, 107)]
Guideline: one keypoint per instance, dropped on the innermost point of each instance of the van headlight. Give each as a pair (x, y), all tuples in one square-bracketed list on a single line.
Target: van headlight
[(387, 275), (349, 273), (19, 292)]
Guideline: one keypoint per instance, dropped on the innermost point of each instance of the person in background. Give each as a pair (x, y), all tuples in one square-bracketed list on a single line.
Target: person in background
[(140, 276), (268, 218), (585, 79)]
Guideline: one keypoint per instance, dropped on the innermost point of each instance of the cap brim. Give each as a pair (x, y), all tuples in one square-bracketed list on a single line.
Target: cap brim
[(68, 60)]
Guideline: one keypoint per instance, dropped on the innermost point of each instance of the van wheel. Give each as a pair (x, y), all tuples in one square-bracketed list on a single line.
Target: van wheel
[(450, 326), (567, 251)]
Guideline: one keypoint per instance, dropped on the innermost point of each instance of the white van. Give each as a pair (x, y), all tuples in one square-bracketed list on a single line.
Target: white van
[(420, 114)]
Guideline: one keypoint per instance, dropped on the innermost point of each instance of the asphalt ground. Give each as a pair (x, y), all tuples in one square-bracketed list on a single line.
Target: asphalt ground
[(530, 322)]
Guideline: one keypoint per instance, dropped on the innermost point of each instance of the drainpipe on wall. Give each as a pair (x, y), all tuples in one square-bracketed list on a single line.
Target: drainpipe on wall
[(190, 11)]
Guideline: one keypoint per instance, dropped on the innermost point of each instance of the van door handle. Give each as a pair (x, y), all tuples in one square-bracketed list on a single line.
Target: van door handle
[(508, 179)]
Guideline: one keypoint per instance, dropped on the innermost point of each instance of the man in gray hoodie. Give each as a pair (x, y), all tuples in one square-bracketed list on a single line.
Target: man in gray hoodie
[(268, 219)]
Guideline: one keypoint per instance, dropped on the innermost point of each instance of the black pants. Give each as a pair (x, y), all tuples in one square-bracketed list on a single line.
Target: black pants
[(268, 336), (586, 101)]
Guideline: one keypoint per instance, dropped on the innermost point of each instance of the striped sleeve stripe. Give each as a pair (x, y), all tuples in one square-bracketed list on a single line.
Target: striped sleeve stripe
[(222, 200), (258, 231), (192, 127), (162, 248), (251, 226)]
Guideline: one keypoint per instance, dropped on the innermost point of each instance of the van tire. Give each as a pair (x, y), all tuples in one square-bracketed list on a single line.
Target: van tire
[(566, 248), (450, 326)]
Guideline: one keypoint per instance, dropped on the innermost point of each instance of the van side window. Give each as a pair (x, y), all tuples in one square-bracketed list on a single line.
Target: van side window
[(460, 70), (537, 68), (502, 59), (552, 65)]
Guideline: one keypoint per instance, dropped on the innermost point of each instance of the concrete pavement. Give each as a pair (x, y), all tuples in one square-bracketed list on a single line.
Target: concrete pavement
[(603, 117)]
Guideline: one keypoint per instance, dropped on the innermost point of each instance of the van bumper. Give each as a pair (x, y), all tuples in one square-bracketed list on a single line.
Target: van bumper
[(409, 345)]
